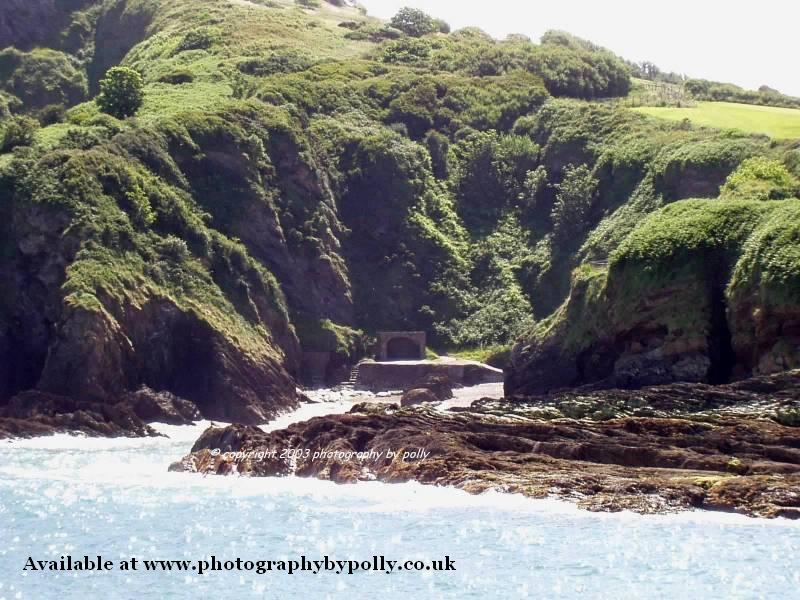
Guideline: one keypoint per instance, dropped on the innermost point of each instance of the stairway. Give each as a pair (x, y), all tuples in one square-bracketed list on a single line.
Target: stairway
[(351, 383)]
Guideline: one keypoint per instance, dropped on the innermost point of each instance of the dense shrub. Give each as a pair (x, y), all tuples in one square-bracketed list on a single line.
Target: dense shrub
[(715, 91), (490, 176), (18, 131), (574, 197), (121, 92), (285, 62), (415, 22), (201, 38), (761, 178), (177, 77), (42, 77)]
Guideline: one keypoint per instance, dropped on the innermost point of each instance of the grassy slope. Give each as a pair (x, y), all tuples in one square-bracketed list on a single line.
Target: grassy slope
[(778, 123)]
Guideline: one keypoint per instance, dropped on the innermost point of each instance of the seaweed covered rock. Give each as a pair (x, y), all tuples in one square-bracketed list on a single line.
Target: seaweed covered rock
[(705, 447)]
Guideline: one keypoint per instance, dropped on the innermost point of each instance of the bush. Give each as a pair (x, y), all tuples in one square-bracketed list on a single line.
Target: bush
[(42, 77), (19, 131), (198, 39), (51, 114), (121, 92), (760, 178), (414, 22), (407, 51), (574, 197), (285, 62), (80, 139), (438, 147), (177, 77), (308, 3)]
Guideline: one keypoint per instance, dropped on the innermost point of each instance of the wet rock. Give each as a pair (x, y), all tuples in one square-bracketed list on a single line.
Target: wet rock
[(702, 454), (373, 408), (35, 413), (162, 407)]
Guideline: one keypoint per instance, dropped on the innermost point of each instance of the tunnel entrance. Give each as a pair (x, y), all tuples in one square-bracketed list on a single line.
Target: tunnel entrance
[(401, 345), (402, 349)]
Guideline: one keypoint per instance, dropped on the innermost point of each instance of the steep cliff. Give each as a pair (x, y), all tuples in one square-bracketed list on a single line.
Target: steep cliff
[(701, 291), (297, 179)]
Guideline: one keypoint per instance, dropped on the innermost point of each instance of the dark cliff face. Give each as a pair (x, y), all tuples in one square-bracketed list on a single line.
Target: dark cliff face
[(98, 354)]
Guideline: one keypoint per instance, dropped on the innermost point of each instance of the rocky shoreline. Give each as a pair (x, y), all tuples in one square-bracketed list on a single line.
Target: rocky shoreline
[(660, 449), (34, 413)]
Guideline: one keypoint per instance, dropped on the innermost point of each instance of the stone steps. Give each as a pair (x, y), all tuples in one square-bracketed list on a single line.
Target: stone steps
[(353, 381)]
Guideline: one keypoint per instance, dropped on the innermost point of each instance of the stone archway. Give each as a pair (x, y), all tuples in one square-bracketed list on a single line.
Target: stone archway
[(401, 345), (402, 348)]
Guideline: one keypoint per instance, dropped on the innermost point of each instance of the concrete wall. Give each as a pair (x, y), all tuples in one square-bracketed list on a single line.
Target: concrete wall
[(382, 376)]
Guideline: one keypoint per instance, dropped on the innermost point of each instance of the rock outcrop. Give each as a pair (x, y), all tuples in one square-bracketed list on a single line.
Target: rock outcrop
[(418, 396), (34, 413), (709, 447), (689, 296)]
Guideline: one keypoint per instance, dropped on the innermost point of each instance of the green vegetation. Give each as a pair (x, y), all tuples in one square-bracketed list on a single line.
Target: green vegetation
[(414, 22), (326, 336), (42, 78), (779, 123), (715, 91), (121, 92), (18, 131), (315, 174), (567, 65), (761, 178), (495, 356)]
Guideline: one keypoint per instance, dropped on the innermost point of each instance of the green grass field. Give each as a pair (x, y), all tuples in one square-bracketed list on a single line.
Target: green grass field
[(778, 123)]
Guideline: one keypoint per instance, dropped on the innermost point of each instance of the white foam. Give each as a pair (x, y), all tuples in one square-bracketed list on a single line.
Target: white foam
[(125, 463)]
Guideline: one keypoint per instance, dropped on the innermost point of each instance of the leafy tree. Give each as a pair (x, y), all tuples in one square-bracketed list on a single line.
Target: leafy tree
[(760, 178), (121, 92), (438, 147), (574, 197), (490, 175), (414, 22), (19, 131)]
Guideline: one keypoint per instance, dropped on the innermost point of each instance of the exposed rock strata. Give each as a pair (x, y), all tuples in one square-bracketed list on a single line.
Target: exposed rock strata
[(713, 448)]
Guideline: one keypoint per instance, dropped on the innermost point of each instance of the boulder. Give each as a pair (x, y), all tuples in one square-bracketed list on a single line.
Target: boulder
[(418, 396), (162, 407), (440, 386)]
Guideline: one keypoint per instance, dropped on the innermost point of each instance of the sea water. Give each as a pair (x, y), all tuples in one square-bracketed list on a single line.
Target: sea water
[(67, 495)]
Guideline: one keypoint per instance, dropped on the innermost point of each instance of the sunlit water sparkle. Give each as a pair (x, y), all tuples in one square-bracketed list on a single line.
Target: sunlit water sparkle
[(70, 495)]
